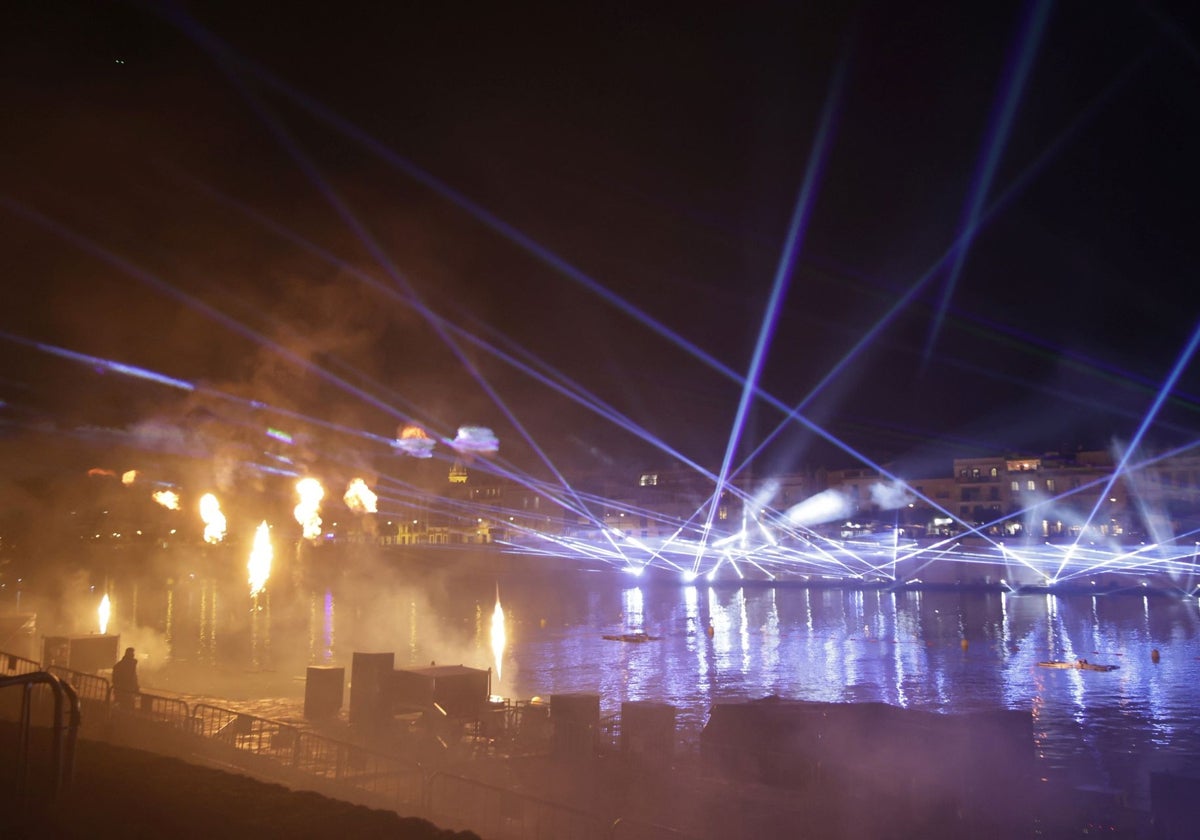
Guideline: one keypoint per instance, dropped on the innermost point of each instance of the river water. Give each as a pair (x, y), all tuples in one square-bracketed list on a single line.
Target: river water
[(946, 651)]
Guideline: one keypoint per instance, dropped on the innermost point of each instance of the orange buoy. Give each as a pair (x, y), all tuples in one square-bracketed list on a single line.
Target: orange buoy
[(1154, 656), (965, 644)]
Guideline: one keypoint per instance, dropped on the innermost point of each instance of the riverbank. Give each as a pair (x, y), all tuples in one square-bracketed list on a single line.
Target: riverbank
[(119, 791)]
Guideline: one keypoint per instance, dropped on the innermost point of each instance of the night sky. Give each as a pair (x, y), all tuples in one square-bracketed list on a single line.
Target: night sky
[(344, 212)]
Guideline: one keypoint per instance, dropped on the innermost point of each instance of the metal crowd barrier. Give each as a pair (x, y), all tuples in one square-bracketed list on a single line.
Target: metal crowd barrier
[(11, 664), (91, 688), (169, 711), (385, 778), (63, 730), (389, 781)]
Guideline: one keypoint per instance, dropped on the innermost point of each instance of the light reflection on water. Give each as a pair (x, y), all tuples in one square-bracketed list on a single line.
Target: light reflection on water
[(722, 644)]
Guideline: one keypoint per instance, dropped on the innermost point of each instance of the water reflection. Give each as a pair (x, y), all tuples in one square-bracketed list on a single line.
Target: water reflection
[(717, 645), (208, 623), (260, 632)]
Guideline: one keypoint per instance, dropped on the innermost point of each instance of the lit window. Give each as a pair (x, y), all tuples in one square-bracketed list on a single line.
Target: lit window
[(1031, 485), (1049, 485), (723, 512), (1016, 487), (995, 472), (648, 480)]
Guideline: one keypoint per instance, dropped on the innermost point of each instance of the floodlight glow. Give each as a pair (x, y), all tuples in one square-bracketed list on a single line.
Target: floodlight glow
[(825, 506), (889, 495)]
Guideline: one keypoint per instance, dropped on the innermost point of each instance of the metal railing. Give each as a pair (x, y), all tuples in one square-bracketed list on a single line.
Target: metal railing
[(169, 711), (90, 687), (11, 664), (385, 778), (64, 731), (287, 752)]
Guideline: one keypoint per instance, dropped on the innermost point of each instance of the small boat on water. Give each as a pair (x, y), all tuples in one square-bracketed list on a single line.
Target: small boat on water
[(631, 637), (1078, 665)]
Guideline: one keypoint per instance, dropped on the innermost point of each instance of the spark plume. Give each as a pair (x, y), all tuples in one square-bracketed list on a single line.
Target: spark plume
[(261, 555), (104, 613), (499, 638)]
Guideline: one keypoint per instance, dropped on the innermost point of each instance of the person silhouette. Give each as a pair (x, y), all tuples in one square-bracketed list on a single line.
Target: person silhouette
[(125, 680)]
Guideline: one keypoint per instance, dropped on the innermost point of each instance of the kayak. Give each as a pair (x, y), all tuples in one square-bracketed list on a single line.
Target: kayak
[(1079, 665), (631, 637)]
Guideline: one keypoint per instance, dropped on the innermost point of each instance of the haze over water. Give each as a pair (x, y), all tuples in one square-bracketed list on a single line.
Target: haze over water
[(200, 633)]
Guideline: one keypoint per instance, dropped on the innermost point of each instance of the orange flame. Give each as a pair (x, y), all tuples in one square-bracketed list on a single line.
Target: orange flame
[(168, 499), (96, 471), (104, 612), (214, 520), (128, 477), (260, 559), (498, 635), (306, 512), (359, 497)]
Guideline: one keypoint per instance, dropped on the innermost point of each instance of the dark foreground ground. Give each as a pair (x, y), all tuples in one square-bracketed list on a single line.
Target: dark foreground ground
[(127, 793)]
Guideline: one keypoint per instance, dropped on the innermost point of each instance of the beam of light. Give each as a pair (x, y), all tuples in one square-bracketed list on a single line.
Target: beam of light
[(104, 613), (293, 415), (557, 263), (737, 569), (1015, 188), (1074, 359), (95, 362), (214, 520), (279, 435), (499, 638), (755, 564), (226, 61), (767, 534), (149, 279), (325, 114), (1012, 88), (724, 541), (261, 554), (1181, 364), (469, 438), (783, 274), (1074, 491), (561, 383), (532, 247), (307, 510)]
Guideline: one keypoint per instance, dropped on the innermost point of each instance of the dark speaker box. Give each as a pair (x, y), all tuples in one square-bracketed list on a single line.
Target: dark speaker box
[(576, 719), (323, 691), (648, 731), (370, 685)]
